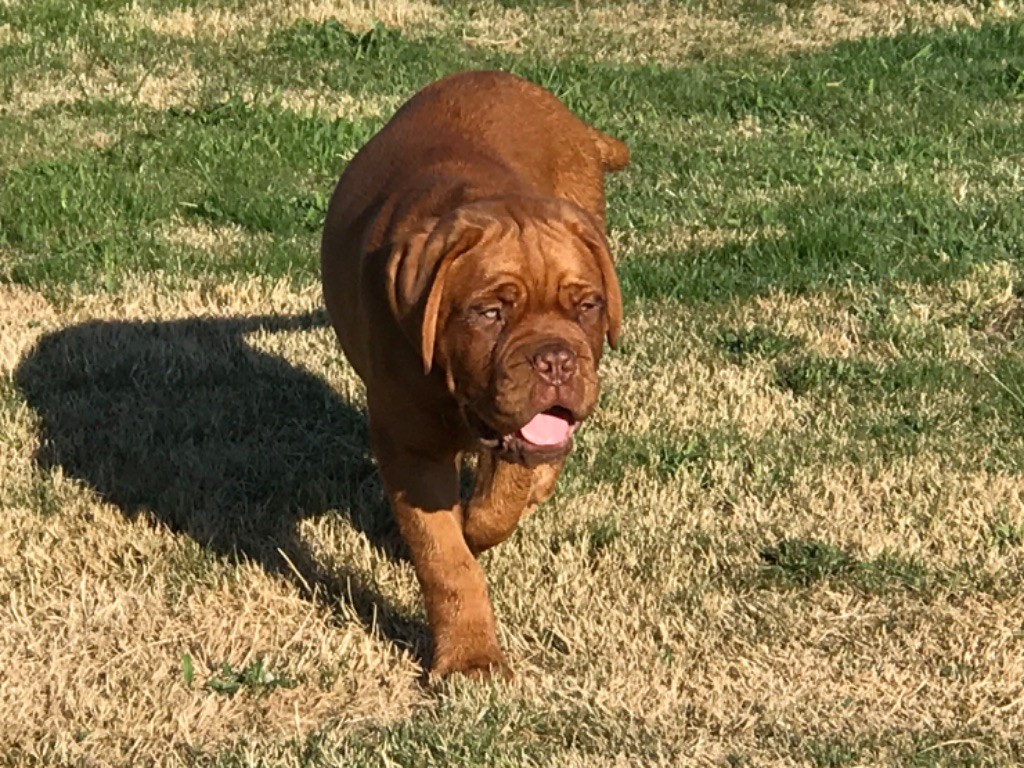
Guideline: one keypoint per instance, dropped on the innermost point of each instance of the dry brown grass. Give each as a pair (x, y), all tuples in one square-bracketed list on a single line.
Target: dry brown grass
[(89, 78), (218, 240), (181, 86), (30, 140), (696, 394), (99, 607), (86, 80), (673, 32), (633, 32), (954, 314), (683, 238), (326, 103), (829, 663), (10, 36), (257, 19), (828, 322), (91, 637)]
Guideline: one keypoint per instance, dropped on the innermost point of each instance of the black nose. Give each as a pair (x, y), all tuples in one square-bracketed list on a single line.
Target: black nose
[(554, 363)]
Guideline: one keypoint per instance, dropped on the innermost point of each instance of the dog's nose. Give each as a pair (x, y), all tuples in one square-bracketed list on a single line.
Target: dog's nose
[(555, 363)]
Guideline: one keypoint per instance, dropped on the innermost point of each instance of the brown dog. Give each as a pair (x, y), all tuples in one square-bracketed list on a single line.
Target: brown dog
[(466, 273)]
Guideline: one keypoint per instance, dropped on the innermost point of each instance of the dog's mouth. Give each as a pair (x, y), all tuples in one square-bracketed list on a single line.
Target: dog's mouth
[(544, 438), (549, 429)]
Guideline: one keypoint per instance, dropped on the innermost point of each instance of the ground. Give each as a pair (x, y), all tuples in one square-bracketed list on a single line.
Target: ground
[(792, 535)]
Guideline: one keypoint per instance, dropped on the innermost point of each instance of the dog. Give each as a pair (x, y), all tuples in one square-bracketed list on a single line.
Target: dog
[(467, 275)]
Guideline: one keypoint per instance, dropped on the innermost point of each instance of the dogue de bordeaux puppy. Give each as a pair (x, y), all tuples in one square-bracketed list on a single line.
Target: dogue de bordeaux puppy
[(467, 275)]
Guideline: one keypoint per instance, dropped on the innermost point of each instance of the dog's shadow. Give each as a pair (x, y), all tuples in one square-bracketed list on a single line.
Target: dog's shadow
[(188, 423)]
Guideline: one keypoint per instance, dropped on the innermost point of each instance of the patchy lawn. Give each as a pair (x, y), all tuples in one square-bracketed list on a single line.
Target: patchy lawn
[(794, 532)]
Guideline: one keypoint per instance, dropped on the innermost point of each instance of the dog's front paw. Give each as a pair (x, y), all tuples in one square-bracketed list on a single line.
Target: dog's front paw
[(473, 661)]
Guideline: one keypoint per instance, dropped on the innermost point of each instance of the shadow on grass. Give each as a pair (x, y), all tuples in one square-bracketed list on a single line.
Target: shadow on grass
[(187, 423)]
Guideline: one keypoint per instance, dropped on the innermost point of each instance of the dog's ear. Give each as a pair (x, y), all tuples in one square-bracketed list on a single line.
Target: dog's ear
[(418, 268), (592, 236)]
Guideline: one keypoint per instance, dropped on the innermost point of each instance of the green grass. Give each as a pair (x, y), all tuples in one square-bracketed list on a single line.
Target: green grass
[(740, 344), (796, 563), (89, 219), (832, 125), (255, 679)]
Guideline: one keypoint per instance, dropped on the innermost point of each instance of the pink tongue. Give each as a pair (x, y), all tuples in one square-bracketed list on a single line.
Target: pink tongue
[(546, 429)]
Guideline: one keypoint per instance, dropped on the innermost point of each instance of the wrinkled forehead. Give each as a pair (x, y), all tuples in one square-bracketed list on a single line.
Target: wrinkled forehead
[(543, 255)]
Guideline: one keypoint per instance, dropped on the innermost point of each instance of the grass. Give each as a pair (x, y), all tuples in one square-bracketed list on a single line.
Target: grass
[(792, 534)]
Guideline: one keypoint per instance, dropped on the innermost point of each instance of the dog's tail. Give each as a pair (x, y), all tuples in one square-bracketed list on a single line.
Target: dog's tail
[(613, 153)]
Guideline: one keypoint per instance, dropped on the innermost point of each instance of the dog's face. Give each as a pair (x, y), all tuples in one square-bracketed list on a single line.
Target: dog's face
[(520, 302)]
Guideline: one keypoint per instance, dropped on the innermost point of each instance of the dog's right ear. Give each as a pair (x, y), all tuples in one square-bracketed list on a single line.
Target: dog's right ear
[(417, 270)]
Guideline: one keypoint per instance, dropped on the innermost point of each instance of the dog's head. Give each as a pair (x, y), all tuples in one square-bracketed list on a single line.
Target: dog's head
[(512, 299)]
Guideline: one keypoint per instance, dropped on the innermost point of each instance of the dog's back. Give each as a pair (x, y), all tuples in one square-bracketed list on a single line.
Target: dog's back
[(491, 130)]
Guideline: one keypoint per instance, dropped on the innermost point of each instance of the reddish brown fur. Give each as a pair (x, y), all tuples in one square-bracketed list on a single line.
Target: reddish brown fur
[(464, 246)]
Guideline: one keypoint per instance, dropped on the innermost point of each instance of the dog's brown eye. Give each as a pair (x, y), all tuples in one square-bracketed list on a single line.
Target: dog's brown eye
[(590, 305), (491, 314)]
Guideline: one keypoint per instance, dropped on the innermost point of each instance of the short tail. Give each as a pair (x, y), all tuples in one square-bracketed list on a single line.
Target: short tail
[(613, 153)]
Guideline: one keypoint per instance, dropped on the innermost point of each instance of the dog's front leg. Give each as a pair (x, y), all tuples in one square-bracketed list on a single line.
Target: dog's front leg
[(503, 493), (424, 494)]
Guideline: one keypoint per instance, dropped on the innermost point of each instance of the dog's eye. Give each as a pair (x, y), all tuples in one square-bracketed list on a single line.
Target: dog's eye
[(590, 305), (491, 314)]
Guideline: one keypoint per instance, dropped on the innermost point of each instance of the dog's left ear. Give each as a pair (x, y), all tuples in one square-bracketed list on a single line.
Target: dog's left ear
[(419, 267), (592, 236)]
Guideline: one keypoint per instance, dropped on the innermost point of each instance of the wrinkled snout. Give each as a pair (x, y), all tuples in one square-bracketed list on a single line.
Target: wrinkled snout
[(544, 386), (554, 364), (558, 373)]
